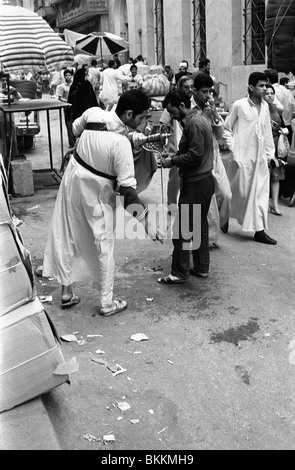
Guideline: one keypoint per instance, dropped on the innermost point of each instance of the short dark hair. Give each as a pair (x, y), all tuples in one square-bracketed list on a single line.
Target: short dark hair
[(203, 62), (3, 75), (94, 62), (272, 75), (284, 81), (134, 100), (256, 77), (111, 63), (133, 66), (202, 80), (176, 98), (68, 71)]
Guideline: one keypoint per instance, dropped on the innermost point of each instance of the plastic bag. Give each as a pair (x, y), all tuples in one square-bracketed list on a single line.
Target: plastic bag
[(283, 146)]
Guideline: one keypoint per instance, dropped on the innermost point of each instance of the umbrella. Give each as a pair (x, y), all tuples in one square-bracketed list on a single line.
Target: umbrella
[(99, 43), (28, 43)]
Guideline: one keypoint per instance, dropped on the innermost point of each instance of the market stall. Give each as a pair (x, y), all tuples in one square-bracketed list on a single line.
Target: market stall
[(27, 107)]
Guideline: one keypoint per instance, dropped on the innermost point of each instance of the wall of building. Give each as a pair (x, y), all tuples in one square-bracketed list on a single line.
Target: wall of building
[(225, 47), (178, 29), (224, 28)]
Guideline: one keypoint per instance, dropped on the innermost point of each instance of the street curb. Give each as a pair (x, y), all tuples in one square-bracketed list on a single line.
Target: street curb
[(27, 427)]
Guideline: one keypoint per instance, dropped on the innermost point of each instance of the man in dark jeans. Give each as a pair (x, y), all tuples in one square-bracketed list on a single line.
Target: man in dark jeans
[(195, 162)]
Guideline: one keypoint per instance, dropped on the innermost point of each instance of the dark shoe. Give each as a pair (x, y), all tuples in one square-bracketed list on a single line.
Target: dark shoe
[(262, 237), (225, 227), (202, 275)]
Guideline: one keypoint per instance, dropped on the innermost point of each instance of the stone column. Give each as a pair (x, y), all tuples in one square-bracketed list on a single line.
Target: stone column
[(178, 32)]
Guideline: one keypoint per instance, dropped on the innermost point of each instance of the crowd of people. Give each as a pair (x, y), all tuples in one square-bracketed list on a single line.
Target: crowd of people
[(106, 105)]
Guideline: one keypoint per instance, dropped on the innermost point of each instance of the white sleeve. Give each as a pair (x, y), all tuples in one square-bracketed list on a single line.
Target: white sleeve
[(79, 125), (124, 163), (229, 125), (165, 118)]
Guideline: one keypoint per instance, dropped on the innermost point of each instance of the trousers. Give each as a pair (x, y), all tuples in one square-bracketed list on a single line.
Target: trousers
[(192, 194)]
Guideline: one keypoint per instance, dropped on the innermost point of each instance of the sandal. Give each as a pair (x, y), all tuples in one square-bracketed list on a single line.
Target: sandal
[(274, 211), (120, 305), (74, 300), (167, 280)]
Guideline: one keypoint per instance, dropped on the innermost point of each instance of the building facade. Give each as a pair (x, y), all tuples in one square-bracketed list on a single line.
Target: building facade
[(229, 32)]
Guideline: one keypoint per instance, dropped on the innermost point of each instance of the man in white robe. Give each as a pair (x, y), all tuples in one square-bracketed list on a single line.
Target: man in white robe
[(110, 80), (81, 235), (248, 135)]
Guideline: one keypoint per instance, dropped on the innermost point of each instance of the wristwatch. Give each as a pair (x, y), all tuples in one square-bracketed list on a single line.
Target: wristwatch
[(216, 120)]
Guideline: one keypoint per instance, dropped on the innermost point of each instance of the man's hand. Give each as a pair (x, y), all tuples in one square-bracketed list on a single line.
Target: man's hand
[(167, 161), (210, 110)]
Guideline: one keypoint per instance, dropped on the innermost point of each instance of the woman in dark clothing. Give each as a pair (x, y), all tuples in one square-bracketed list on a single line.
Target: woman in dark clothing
[(81, 94), (277, 170)]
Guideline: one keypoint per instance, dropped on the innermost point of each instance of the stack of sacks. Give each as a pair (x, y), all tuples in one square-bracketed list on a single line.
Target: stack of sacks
[(156, 83)]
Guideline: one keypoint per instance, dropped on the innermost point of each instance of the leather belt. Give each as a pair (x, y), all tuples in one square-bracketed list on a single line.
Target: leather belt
[(95, 126), (93, 170)]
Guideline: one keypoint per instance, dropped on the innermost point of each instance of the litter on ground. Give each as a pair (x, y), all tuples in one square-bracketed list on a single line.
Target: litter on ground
[(139, 337), (99, 351), (115, 368), (109, 438), (67, 368), (160, 432), (91, 438), (69, 338), (120, 370), (123, 406), (33, 208), (94, 336), (46, 299)]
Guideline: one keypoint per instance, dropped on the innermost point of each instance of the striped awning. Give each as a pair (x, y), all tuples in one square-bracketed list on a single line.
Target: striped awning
[(27, 42)]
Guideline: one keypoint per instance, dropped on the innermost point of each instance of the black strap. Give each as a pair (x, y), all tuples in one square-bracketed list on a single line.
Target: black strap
[(92, 170), (95, 126)]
